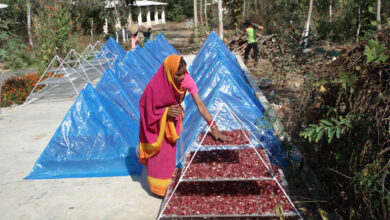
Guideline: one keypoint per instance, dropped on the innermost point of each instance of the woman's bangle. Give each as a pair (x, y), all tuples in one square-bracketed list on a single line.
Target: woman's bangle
[(211, 124)]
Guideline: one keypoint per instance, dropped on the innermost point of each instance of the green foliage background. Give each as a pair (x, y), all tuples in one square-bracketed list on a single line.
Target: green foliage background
[(53, 32), (13, 50), (179, 10)]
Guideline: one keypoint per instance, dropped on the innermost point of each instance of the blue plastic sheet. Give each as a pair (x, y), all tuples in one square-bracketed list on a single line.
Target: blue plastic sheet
[(222, 84), (90, 142), (114, 48), (110, 88), (99, 134)]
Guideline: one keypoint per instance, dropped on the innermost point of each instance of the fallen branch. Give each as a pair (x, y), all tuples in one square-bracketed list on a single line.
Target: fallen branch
[(383, 151), (312, 201), (266, 38), (339, 173), (384, 212)]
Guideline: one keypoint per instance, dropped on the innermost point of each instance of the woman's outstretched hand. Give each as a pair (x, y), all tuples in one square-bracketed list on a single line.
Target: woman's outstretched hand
[(174, 110), (219, 136)]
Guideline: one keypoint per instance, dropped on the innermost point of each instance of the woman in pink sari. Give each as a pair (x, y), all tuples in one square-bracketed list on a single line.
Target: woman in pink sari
[(161, 120)]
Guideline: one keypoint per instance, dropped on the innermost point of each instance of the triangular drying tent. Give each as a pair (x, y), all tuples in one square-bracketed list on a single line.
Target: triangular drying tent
[(114, 48), (99, 134), (92, 140)]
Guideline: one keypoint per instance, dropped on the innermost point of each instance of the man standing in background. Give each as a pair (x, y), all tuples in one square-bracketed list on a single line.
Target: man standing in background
[(250, 31)]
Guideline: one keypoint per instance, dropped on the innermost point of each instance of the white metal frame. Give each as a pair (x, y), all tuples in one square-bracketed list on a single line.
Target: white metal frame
[(241, 125), (74, 63)]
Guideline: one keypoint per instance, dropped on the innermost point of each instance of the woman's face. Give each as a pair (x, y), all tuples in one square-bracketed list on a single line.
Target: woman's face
[(179, 75)]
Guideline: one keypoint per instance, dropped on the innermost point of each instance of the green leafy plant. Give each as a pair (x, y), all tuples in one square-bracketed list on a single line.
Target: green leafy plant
[(370, 184), (332, 127), (375, 52), (13, 51), (346, 81), (53, 33), (178, 11)]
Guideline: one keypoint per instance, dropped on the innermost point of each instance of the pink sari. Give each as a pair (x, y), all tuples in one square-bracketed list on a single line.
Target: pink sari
[(158, 133), (134, 42)]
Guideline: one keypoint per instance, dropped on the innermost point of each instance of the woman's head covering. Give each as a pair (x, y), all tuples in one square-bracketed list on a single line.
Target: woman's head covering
[(133, 28), (171, 67), (173, 62)]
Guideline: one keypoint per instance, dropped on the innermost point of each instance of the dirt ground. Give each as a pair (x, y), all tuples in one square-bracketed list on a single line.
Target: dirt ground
[(283, 89), (25, 132), (279, 92)]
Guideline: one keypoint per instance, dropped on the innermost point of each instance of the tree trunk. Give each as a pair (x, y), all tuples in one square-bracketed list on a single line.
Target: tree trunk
[(205, 12), (359, 26), (124, 34), (268, 17), (378, 14), (195, 14), (105, 27), (220, 18), (307, 26), (92, 29), (30, 41), (200, 12), (36, 30), (117, 23), (257, 6), (330, 11), (243, 11), (129, 22)]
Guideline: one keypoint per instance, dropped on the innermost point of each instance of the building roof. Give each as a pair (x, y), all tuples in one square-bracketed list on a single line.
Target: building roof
[(111, 4), (148, 3), (3, 6)]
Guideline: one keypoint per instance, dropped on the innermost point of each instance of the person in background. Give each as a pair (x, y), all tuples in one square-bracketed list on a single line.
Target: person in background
[(147, 33), (250, 31), (134, 29), (161, 118)]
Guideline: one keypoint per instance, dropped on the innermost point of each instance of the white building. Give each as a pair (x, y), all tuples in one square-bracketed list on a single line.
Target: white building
[(159, 15), (159, 11)]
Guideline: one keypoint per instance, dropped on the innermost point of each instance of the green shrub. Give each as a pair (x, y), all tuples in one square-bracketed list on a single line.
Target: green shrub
[(53, 33), (13, 51)]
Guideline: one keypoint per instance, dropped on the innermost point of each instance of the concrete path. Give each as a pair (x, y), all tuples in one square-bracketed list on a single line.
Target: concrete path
[(25, 130)]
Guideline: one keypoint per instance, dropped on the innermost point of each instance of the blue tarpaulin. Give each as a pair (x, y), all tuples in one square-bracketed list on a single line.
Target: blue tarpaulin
[(99, 134), (114, 48), (91, 141), (221, 81)]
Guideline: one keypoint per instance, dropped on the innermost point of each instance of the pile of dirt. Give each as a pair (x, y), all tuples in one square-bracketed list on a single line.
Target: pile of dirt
[(364, 88), (347, 88), (285, 83), (351, 95), (266, 44)]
